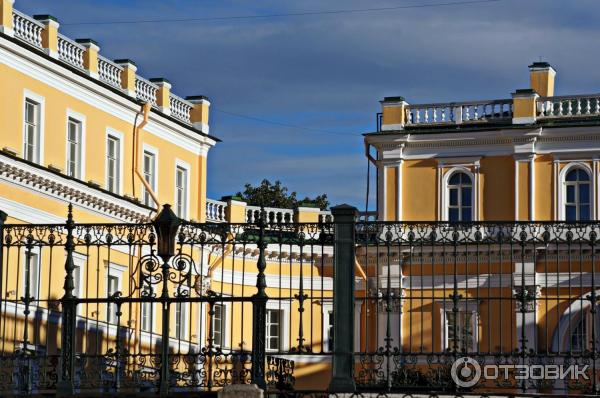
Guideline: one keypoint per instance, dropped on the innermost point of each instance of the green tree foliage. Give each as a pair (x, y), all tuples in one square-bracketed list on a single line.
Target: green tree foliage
[(270, 194)]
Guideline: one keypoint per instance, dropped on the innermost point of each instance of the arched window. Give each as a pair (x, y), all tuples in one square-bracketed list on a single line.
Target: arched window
[(460, 197), (577, 195)]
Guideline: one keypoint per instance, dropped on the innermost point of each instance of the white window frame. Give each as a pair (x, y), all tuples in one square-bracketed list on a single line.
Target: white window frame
[(185, 306), (117, 271), (284, 306), (28, 95), (82, 122), (34, 291), (181, 164), (446, 192), (562, 190), (79, 261), (327, 308), (118, 135), (225, 332), (152, 313), (469, 306), (154, 183)]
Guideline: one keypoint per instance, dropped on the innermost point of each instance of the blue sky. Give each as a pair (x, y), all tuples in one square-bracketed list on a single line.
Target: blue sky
[(328, 72)]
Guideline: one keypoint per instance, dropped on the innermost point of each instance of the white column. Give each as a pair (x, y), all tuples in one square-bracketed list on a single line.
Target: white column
[(532, 188)]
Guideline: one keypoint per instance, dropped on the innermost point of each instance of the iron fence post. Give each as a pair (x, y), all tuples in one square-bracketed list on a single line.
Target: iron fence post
[(344, 217), (165, 225), (65, 386), (259, 310)]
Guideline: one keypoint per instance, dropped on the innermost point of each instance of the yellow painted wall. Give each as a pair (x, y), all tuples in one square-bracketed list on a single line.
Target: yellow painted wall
[(497, 188), (391, 197), (419, 190), (544, 188)]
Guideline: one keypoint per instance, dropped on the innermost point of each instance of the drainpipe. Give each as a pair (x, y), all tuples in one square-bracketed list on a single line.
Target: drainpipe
[(145, 110)]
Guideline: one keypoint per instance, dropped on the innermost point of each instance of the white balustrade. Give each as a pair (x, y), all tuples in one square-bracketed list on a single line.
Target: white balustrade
[(27, 29), (568, 106), (325, 216), (180, 108), (458, 112), (215, 211), (274, 215), (109, 72), (70, 52), (145, 90)]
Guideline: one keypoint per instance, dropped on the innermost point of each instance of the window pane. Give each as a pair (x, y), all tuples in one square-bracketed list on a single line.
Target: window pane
[(453, 197), (466, 214), (583, 176), (570, 193), (571, 175), (584, 213), (584, 193), (466, 196), (455, 179), (453, 215), (570, 213)]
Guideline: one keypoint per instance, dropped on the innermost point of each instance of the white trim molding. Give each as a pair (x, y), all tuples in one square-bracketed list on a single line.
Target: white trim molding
[(443, 189), (82, 155), (560, 183), (186, 166)]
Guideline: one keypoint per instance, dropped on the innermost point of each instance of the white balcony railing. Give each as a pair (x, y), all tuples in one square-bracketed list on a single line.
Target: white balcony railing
[(180, 108), (27, 29), (70, 52), (145, 90), (109, 72), (568, 106), (458, 112), (274, 215), (215, 211)]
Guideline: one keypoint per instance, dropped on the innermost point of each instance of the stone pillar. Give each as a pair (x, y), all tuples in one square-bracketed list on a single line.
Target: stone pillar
[(236, 209), (127, 75), (307, 214), (541, 77), (524, 106), (90, 56), (49, 34), (163, 94), (394, 115), (6, 17), (199, 113), (241, 391), (527, 293)]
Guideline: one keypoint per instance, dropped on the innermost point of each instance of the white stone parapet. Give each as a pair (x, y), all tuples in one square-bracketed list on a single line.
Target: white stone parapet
[(458, 112), (568, 106)]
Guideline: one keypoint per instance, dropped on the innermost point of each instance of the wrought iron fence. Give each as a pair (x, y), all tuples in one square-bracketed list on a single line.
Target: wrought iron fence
[(343, 306)]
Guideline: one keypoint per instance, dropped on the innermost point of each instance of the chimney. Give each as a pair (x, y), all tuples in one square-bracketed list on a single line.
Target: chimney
[(542, 75)]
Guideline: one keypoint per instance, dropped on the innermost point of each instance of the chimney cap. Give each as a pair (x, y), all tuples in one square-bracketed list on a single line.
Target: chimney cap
[(393, 99), (540, 65)]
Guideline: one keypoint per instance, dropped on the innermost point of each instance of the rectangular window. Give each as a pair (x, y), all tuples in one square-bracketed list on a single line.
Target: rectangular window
[(460, 331), (330, 332), (181, 191), (274, 318), (150, 176), (31, 144), (113, 159), (32, 273), (146, 310), (180, 321), (218, 323), (74, 148), (112, 288)]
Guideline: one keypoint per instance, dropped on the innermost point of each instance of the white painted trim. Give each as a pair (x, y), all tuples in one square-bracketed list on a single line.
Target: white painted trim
[(184, 165), (555, 189), (468, 306), (97, 96), (226, 325), (28, 214), (81, 119), (392, 127), (27, 94), (121, 137), (155, 184), (516, 190), (524, 120), (273, 281), (445, 194), (532, 188), (80, 261), (383, 199), (399, 210), (562, 192), (34, 291), (326, 309), (78, 187), (284, 306), (595, 196)]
